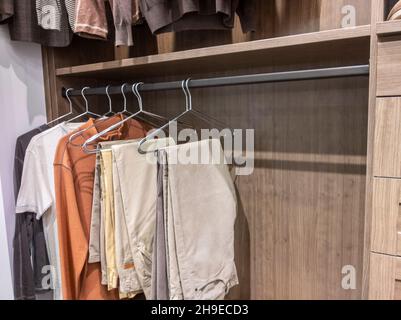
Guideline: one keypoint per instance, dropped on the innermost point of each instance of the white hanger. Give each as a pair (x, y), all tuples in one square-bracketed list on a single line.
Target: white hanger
[(67, 114), (188, 109), (87, 112)]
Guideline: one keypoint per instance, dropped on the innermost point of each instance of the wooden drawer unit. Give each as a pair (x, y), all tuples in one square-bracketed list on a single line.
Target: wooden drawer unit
[(385, 277), (389, 68), (386, 219), (387, 148)]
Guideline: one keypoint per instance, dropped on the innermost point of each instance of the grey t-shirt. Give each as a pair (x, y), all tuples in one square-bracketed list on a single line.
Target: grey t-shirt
[(30, 252)]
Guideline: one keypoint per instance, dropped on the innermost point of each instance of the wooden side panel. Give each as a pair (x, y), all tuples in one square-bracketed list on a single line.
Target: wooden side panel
[(386, 216), (377, 9), (389, 67), (387, 154), (385, 277)]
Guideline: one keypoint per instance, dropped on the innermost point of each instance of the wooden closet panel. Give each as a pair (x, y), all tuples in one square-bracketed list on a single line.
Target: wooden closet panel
[(385, 277), (387, 153), (377, 9), (389, 67), (386, 220)]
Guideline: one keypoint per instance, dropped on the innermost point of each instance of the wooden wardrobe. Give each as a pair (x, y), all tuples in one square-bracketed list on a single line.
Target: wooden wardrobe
[(326, 190)]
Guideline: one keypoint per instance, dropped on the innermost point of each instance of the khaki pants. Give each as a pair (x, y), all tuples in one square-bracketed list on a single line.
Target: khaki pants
[(200, 211), (136, 185)]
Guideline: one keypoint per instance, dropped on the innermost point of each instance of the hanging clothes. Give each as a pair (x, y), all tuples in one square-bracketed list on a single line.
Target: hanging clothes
[(30, 253), (49, 14), (6, 10), (160, 287), (24, 26), (74, 178), (103, 200), (90, 19), (37, 193), (70, 6), (181, 15), (137, 17), (109, 223), (136, 210), (199, 221)]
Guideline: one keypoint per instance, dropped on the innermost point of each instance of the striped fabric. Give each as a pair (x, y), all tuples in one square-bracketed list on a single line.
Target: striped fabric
[(395, 13), (70, 6), (49, 14)]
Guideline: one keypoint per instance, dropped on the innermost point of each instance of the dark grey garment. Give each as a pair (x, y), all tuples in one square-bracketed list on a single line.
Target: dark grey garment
[(181, 15), (6, 10), (24, 26), (159, 265), (30, 252)]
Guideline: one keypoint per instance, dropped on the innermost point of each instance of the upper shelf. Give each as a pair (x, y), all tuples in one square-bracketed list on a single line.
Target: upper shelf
[(389, 28), (243, 54)]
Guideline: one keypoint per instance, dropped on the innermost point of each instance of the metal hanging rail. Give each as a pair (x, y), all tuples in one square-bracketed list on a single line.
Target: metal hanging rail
[(311, 74)]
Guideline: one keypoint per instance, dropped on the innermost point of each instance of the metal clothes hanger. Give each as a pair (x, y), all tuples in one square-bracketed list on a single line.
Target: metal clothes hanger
[(135, 90), (87, 112), (118, 124), (125, 110), (110, 112), (188, 109), (67, 114), (122, 112), (103, 118)]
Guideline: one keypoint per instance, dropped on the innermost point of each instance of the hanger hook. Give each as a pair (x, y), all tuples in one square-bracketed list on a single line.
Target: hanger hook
[(137, 94), (86, 100), (109, 98), (68, 98), (125, 98), (188, 96)]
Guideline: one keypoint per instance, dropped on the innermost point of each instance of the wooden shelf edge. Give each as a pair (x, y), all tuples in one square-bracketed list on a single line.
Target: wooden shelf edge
[(230, 49), (389, 28)]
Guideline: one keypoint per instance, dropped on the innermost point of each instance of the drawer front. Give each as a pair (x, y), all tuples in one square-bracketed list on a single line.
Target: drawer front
[(387, 148), (389, 68), (385, 277), (386, 216)]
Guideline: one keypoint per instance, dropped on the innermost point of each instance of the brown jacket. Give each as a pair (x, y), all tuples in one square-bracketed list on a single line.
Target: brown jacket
[(74, 177), (91, 19), (179, 15)]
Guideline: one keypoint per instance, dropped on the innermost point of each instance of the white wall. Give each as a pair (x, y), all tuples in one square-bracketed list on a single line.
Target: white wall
[(22, 107)]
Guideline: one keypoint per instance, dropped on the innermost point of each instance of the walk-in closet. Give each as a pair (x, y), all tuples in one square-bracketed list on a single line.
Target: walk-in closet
[(318, 82)]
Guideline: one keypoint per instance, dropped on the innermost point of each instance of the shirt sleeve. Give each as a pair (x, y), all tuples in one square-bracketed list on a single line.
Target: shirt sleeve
[(30, 256), (34, 195), (122, 16)]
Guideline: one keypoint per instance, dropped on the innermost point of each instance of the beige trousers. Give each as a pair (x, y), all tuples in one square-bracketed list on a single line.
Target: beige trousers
[(135, 178), (199, 218)]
